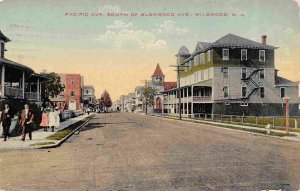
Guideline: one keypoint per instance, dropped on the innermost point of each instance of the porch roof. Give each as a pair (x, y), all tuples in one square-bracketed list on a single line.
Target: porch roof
[(16, 65), (207, 83)]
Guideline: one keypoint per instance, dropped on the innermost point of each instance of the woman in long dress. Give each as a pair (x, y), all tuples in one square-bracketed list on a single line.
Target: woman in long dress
[(45, 120), (52, 119), (57, 118)]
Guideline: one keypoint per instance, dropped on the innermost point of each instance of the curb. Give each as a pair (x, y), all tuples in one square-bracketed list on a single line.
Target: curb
[(60, 142), (237, 130)]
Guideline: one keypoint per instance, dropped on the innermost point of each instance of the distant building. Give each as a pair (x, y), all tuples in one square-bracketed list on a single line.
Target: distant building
[(71, 98), (139, 102), (89, 98)]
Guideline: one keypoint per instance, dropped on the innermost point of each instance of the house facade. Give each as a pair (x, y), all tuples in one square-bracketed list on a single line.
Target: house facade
[(232, 75), (139, 99), (89, 98), (71, 98), (18, 81)]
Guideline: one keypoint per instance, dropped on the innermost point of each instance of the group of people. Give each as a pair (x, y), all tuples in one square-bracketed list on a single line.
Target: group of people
[(50, 119)]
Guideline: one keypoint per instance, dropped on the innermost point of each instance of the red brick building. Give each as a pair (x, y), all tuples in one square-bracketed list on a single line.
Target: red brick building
[(71, 98)]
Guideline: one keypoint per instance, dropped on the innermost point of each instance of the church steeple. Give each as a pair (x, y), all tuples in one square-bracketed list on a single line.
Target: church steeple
[(158, 76)]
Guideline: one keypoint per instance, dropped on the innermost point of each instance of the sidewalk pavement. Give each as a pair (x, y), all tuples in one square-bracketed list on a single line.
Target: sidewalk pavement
[(37, 136), (220, 124)]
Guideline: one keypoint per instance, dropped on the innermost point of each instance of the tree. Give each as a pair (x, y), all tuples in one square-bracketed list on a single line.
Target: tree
[(106, 99), (53, 85), (149, 97)]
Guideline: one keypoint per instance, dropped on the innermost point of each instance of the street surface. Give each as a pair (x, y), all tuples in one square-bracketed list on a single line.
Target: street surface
[(123, 151)]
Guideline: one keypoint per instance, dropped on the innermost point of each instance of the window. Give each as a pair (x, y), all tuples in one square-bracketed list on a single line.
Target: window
[(262, 92), (262, 74), (226, 91), (202, 75), (190, 64), (225, 54), (185, 66), (282, 92), (244, 104), (202, 56), (244, 73), (244, 91), (243, 54), (72, 93), (196, 60), (208, 56), (262, 55), (225, 72), (195, 77), (72, 82), (208, 73), (87, 91)]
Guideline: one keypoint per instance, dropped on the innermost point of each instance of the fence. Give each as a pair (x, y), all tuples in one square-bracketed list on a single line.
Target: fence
[(274, 121)]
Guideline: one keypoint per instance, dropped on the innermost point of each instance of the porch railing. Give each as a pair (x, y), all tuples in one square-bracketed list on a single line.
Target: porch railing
[(31, 95), (202, 98), (13, 92)]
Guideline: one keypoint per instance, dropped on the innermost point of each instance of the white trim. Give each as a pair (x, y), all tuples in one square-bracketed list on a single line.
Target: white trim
[(242, 54), (263, 70), (227, 72), (264, 53), (244, 104), (224, 91), (227, 57), (284, 92), (243, 86), (242, 72)]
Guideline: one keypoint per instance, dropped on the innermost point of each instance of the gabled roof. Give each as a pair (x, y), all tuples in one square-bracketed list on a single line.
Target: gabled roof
[(2, 37), (158, 71), (170, 85), (280, 81), (231, 40), (202, 46)]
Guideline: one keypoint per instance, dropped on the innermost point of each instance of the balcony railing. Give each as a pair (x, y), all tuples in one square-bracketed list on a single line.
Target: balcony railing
[(31, 95), (202, 98), (13, 92)]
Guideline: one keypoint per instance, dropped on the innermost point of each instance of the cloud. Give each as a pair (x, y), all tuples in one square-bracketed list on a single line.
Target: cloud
[(1, 1), (123, 35), (119, 25), (298, 2), (109, 8), (169, 28)]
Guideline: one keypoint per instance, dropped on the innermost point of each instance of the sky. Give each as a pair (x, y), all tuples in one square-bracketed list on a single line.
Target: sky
[(116, 52)]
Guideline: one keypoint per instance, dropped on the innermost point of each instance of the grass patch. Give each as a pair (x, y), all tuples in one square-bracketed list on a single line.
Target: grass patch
[(260, 131), (43, 143), (65, 132)]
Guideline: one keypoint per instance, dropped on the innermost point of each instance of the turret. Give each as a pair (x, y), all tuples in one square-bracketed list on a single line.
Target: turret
[(3, 40), (182, 54)]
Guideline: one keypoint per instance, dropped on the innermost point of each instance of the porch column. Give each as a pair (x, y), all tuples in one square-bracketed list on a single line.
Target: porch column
[(183, 104), (187, 100), (23, 85), (38, 89), (192, 106), (3, 81)]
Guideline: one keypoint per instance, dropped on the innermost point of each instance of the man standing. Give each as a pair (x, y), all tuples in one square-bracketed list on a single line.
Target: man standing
[(6, 117), (27, 117)]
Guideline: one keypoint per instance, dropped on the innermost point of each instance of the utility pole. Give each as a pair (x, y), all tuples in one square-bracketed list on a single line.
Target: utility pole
[(179, 69), (287, 116), (146, 87)]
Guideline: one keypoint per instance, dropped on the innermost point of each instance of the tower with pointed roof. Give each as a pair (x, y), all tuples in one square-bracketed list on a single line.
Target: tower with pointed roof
[(158, 77)]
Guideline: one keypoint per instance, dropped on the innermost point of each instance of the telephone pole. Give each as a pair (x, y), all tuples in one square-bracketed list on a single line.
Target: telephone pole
[(178, 70), (146, 96)]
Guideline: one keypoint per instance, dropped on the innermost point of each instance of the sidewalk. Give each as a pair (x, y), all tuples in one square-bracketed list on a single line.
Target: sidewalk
[(220, 124), (37, 136)]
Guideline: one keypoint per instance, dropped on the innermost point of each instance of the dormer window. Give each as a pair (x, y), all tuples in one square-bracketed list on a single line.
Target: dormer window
[(262, 55), (2, 49), (225, 54), (244, 54)]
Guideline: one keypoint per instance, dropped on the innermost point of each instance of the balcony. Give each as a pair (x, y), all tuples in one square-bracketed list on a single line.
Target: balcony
[(13, 92), (32, 95), (202, 99)]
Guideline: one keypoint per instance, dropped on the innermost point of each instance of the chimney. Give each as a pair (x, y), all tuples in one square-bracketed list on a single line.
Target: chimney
[(264, 39)]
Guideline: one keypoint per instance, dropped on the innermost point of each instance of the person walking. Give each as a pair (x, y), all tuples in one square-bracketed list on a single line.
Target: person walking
[(45, 120), (6, 116), (57, 118), (52, 119), (26, 121)]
